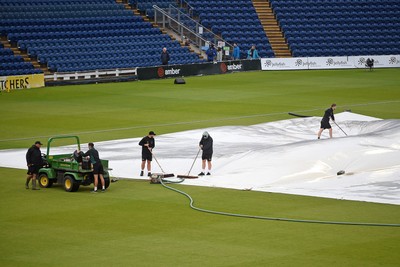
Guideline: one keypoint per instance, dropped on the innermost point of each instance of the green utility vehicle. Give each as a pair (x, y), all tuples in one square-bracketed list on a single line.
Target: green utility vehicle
[(71, 170)]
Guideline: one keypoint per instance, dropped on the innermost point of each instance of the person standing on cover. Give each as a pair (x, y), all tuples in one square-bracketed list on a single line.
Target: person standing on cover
[(98, 169), (34, 162), (148, 143), (206, 144), (325, 121), (164, 56), (236, 51)]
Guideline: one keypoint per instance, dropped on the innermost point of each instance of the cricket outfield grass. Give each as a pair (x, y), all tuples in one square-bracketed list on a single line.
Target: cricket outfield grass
[(138, 224)]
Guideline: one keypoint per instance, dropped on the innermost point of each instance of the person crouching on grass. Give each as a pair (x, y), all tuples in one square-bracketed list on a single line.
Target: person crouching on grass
[(325, 121), (98, 170), (147, 143)]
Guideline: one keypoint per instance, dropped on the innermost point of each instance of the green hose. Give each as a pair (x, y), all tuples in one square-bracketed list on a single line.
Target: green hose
[(163, 183)]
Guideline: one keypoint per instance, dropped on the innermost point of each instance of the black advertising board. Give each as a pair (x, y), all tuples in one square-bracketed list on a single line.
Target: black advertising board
[(170, 71)]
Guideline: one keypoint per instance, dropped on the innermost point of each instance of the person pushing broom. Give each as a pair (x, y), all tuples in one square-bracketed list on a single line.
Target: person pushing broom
[(325, 121), (206, 144)]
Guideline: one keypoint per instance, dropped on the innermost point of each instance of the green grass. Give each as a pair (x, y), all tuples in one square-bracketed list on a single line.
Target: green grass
[(124, 110), (138, 224)]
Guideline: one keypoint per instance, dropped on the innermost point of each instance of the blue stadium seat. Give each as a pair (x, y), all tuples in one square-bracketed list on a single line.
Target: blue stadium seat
[(73, 35), (330, 25), (237, 23)]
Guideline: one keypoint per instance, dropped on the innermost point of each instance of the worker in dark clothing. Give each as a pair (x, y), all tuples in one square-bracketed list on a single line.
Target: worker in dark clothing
[(148, 143), (35, 162), (206, 144), (164, 56), (369, 63), (98, 169), (211, 53), (325, 121)]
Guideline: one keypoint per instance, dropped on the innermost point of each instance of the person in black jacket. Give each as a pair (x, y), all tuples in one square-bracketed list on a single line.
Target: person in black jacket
[(325, 121), (148, 143), (35, 162), (369, 63), (206, 144), (164, 56), (98, 169)]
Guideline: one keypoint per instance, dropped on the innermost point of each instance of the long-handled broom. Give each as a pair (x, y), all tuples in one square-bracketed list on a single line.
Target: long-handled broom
[(340, 128), (341, 172), (188, 176), (163, 172)]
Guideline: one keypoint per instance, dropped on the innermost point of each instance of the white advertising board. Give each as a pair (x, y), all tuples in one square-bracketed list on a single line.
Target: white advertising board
[(389, 61), (284, 63), (351, 62), (329, 63)]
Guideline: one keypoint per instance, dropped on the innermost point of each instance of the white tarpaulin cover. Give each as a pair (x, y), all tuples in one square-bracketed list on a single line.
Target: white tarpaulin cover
[(283, 156)]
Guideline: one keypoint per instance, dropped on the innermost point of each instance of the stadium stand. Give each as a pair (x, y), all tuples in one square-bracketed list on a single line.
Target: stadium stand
[(11, 64), (146, 6), (80, 35), (236, 21), (340, 28)]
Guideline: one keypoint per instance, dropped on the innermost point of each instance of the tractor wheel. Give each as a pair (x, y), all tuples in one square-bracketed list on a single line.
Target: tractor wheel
[(70, 185), (107, 182), (44, 181)]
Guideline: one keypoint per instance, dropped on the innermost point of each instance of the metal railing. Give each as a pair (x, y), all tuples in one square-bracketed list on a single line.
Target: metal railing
[(189, 9), (186, 28), (90, 74)]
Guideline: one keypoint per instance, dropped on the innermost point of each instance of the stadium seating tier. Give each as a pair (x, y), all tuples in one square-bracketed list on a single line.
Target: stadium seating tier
[(80, 35)]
